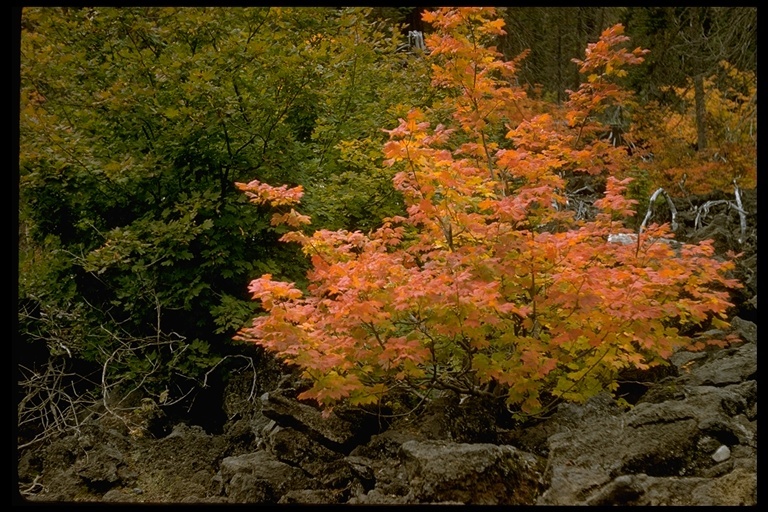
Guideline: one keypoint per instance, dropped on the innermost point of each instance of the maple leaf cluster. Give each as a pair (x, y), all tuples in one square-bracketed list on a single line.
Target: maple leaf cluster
[(490, 285)]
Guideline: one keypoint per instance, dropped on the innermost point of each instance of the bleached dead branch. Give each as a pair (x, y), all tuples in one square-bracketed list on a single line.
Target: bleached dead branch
[(703, 210), (650, 209)]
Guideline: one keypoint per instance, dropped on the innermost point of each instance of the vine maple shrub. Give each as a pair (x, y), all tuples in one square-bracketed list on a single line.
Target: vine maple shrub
[(489, 285)]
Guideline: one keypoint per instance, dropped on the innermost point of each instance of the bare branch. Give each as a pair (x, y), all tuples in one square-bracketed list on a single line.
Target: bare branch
[(742, 213), (650, 210)]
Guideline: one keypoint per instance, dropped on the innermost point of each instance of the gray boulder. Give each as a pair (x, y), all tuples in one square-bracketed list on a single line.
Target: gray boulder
[(483, 474), (691, 440), (258, 478)]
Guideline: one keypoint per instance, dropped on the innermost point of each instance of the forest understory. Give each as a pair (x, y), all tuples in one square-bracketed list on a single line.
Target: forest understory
[(387, 255)]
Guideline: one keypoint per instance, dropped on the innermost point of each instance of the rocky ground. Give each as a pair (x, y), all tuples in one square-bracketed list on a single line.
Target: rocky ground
[(690, 438)]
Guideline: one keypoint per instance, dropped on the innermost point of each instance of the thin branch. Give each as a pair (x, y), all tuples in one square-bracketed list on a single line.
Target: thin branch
[(249, 365), (742, 213)]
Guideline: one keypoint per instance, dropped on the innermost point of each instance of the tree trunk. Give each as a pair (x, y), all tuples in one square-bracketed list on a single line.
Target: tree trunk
[(701, 111), (698, 78), (559, 64)]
